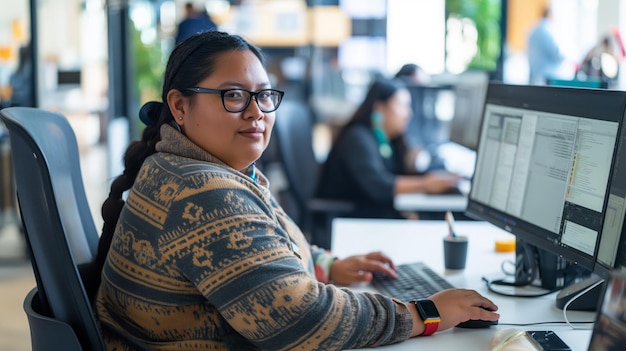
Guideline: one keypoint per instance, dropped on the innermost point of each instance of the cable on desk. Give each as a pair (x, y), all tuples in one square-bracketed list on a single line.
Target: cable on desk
[(504, 269), (490, 284), (542, 323), (589, 288), (526, 271)]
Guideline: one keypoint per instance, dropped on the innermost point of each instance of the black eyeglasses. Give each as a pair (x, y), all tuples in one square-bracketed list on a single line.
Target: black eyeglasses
[(237, 100)]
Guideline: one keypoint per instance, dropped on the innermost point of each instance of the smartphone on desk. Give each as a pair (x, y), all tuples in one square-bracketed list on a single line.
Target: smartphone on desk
[(547, 340)]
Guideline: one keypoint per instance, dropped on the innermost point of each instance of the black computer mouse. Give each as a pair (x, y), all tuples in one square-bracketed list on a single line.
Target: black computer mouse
[(476, 323)]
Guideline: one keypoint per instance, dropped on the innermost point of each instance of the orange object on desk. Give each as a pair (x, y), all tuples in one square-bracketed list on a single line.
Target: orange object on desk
[(505, 245)]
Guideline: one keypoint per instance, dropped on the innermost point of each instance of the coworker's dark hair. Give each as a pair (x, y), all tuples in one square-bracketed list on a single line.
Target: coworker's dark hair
[(189, 63), (381, 90), (407, 70)]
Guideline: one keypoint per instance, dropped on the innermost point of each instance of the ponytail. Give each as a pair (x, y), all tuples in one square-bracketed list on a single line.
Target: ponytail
[(134, 157)]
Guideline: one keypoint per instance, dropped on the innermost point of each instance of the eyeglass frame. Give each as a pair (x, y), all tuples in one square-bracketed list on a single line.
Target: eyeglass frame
[(222, 92)]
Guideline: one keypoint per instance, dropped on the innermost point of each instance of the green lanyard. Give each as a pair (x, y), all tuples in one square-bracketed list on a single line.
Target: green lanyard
[(383, 143), (252, 172)]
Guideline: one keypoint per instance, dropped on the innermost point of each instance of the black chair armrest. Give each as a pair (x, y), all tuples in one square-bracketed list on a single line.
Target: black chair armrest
[(47, 333), (323, 211), (331, 205)]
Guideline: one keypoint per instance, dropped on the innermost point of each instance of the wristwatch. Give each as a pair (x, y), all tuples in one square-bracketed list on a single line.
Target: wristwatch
[(429, 314)]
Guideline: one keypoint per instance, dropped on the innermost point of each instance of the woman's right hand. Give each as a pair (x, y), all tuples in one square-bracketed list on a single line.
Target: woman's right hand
[(440, 182), (460, 305)]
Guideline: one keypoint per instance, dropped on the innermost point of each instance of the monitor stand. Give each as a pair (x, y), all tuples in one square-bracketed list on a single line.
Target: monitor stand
[(552, 272), (586, 302)]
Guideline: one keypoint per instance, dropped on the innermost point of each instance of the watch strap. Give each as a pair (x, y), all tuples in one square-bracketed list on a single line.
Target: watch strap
[(432, 320), (430, 327)]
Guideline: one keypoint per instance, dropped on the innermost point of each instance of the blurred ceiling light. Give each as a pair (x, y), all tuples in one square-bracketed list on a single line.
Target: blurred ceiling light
[(167, 14), (217, 7)]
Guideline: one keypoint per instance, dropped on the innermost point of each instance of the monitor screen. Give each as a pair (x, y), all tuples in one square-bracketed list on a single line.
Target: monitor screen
[(469, 98), (543, 165)]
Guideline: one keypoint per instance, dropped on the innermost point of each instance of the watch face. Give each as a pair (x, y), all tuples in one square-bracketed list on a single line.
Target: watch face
[(428, 308)]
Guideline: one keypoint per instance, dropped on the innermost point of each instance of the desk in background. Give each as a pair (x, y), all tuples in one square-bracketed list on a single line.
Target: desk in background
[(430, 203), (457, 159), (408, 241), (434, 203)]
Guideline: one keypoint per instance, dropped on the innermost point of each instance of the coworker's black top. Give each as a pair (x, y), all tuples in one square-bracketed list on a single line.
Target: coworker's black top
[(356, 171)]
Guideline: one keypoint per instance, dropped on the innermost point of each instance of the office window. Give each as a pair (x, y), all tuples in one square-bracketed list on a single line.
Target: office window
[(473, 35), (364, 53), (416, 33)]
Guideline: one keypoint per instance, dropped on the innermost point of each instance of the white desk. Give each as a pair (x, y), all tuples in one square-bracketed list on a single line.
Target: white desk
[(407, 241), (430, 203)]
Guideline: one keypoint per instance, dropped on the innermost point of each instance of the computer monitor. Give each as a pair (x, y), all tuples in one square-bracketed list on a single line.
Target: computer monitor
[(425, 128), (469, 98), (544, 164)]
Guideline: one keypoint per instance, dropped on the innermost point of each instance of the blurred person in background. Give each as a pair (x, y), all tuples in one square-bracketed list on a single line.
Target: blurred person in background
[(194, 22), (602, 61), (370, 162), (544, 55), (21, 81)]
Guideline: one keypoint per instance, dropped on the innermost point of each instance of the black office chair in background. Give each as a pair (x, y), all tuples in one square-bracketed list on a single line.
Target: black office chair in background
[(293, 134), (60, 233)]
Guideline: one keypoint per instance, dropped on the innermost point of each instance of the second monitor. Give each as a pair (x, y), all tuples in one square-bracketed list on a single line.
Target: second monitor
[(469, 98)]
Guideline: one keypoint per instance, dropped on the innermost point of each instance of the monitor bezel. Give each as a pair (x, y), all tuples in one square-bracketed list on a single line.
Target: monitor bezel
[(601, 269)]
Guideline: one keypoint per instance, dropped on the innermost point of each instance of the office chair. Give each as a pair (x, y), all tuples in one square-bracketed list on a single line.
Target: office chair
[(294, 141), (61, 236)]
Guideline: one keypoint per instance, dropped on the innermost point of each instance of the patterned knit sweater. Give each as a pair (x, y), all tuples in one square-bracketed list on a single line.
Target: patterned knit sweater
[(203, 258)]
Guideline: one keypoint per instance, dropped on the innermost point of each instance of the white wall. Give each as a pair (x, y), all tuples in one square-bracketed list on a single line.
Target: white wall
[(416, 34), (612, 14)]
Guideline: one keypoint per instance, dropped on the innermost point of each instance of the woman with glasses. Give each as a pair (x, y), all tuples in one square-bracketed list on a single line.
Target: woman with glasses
[(201, 256)]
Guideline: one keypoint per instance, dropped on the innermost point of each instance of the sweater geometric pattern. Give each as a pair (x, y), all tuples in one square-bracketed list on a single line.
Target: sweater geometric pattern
[(204, 258)]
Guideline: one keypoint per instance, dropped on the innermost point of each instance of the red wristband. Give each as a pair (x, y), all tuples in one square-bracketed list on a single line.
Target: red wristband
[(430, 328), (429, 314)]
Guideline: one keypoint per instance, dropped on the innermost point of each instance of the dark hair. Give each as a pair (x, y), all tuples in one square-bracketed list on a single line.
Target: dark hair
[(407, 70), (381, 90), (189, 63)]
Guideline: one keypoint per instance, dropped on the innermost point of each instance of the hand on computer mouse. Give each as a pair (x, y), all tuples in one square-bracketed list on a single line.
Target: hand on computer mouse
[(461, 305)]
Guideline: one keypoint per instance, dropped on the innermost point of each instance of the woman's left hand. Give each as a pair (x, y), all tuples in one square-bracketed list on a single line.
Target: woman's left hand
[(359, 268)]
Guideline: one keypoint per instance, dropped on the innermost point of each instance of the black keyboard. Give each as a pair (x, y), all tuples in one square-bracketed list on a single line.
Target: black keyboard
[(415, 281)]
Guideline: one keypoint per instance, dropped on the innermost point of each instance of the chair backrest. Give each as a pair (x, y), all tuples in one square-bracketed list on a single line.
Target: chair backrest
[(60, 232), (294, 135)]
